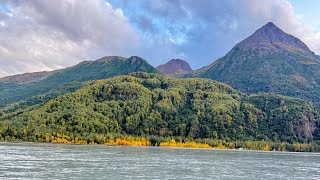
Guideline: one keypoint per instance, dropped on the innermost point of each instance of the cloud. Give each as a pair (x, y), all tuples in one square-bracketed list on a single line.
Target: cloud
[(43, 35), (202, 31)]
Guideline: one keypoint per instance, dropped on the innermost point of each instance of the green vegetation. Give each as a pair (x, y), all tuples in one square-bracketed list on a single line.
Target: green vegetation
[(161, 108), (69, 80), (295, 75)]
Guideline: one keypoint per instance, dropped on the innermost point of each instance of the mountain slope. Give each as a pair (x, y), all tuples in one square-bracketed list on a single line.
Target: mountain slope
[(27, 77), (143, 104), (175, 67), (70, 79), (269, 61)]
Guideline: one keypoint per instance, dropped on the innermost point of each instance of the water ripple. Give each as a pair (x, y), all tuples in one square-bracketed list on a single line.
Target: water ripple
[(57, 161)]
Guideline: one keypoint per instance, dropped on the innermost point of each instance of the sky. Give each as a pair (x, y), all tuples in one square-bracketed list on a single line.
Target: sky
[(41, 35)]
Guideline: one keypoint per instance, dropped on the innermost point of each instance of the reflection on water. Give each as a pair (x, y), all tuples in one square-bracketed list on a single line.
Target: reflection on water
[(58, 161)]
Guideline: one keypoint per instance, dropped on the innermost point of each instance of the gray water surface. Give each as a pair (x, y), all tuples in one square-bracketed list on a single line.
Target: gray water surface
[(59, 161)]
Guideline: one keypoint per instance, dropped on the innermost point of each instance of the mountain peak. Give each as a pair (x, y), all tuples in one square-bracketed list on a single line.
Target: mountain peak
[(270, 25), (175, 67), (136, 58), (269, 37), (272, 31)]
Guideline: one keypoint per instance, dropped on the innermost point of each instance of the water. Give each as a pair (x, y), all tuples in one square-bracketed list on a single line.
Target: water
[(58, 161)]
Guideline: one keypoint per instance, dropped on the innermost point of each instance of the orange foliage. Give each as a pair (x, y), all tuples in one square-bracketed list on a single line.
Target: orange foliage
[(130, 141), (266, 148), (173, 143)]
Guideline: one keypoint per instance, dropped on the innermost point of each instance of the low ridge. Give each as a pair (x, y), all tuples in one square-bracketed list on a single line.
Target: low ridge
[(27, 77)]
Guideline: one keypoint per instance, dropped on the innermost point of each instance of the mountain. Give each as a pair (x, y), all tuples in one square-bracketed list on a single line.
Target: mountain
[(175, 67), (27, 77), (143, 104), (270, 37), (269, 61), (50, 84)]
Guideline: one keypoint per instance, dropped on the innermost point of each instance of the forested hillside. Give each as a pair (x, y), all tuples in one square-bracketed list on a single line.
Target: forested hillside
[(49, 85), (142, 104)]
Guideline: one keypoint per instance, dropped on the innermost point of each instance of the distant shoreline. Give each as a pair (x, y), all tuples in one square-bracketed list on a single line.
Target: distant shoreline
[(149, 146)]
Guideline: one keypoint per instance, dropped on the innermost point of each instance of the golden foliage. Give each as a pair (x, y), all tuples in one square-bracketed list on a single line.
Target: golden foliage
[(266, 148), (130, 141), (173, 143)]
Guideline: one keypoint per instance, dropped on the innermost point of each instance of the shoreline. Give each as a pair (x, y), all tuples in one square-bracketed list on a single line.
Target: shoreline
[(141, 146)]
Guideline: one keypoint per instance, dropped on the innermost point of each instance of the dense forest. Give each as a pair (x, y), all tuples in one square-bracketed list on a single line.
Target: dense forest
[(167, 110)]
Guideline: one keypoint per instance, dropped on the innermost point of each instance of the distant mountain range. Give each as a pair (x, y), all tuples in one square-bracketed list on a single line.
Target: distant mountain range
[(175, 67), (268, 61)]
